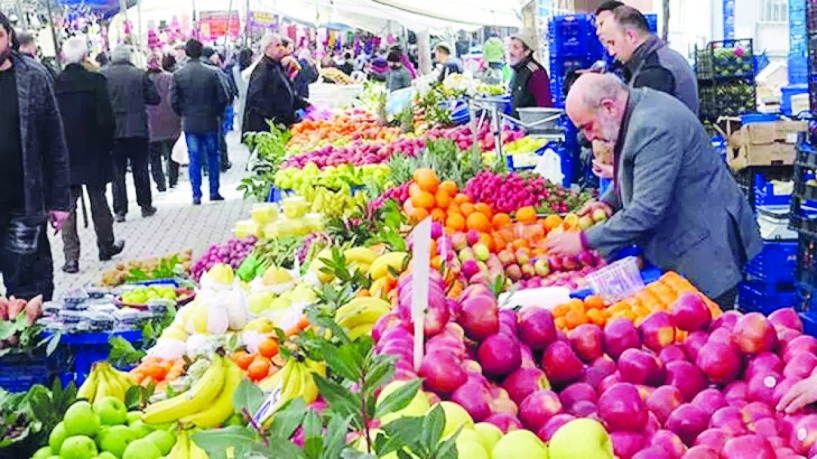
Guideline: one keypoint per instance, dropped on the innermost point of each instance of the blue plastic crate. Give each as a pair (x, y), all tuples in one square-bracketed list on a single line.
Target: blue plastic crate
[(87, 348), (809, 320), (775, 263), (652, 21), (274, 194), (560, 66), (798, 82), (571, 35), (18, 372), (753, 296), (764, 194)]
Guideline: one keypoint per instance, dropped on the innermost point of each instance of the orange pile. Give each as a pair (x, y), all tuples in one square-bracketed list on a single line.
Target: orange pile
[(657, 296), (349, 125), (257, 366), (158, 371)]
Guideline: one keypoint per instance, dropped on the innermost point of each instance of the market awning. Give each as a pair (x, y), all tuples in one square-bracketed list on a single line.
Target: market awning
[(105, 8)]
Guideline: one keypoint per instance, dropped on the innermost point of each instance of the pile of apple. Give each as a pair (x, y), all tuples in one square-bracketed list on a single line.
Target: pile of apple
[(712, 396), (358, 154), (464, 137)]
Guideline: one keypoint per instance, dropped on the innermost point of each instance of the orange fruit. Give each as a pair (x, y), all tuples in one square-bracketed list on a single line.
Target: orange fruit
[(414, 189), (417, 215), (423, 200), (449, 187), (467, 208), (560, 322), (574, 318), (243, 359), (575, 304), (259, 368), (427, 179), (438, 215), (479, 222), (552, 222), (594, 302), (156, 371), (484, 209), (461, 198), (526, 215), (500, 220), (268, 348), (455, 222), (443, 199), (486, 239)]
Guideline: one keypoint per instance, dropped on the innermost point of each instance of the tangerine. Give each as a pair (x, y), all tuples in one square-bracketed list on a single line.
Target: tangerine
[(443, 199), (414, 189), (484, 209), (424, 200), (479, 222), (552, 222), (438, 215), (455, 222), (467, 208), (526, 215), (427, 179), (243, 359), (259, 368), (417, 215), (594, 302), (449, 187), (500, 220), (268, 348), (461, 198)]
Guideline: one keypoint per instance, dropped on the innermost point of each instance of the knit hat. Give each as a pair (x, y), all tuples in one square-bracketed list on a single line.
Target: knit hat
[(493, 50), (445, 45), (526, 37)]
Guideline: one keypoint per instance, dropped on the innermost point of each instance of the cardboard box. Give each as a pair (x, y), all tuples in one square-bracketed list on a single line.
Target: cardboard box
[(763, 144)]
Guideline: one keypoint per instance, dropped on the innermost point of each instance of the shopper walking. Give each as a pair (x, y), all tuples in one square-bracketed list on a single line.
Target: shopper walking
[(212, 58), (131, 92), (33, 171), (89, 124), (199, 97), (244, 62), (671, 193), (164, 126)]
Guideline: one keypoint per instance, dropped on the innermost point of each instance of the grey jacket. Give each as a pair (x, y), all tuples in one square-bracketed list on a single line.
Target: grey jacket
[(131, 92), (675, 198), (198, 96), (655, 65)]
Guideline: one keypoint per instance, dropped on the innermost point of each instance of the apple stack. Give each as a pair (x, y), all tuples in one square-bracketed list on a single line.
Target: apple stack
[(715, 395)]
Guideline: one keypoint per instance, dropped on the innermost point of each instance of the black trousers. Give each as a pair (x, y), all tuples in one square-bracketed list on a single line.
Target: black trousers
[(101, 215), (135, 151), (160, 151), (224, 156), (25, 258)]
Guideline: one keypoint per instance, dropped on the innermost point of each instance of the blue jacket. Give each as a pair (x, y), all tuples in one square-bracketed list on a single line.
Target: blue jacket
[(675, 197)]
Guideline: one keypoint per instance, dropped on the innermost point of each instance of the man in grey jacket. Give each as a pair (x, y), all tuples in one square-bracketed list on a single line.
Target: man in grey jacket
[(131, 92), (671, 194)]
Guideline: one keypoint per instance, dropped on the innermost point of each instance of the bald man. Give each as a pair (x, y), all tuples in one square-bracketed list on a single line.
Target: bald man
[(671, 194)]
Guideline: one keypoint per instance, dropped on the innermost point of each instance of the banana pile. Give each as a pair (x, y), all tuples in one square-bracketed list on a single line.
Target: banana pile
[(362, 259), (294, 380), (208, 402), (359, 315), (105, 381), (185, 448)]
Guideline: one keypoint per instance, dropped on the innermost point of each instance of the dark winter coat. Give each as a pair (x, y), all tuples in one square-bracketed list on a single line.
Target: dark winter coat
[(530, 86), (131, 92), (45, 156), (89, 124), (163, 122), (198, 95), (270, 96), (657, 66)]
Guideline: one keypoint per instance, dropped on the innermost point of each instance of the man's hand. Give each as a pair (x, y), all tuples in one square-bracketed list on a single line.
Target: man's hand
[(57, 219), (565, 244), (800, 395)]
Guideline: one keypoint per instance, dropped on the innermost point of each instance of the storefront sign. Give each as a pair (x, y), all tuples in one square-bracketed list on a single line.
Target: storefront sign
[(213, 24)]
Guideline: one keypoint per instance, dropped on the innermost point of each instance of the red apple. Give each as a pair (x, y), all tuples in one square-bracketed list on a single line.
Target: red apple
[(641, 367), (719, 362), (782, 389), (479, 317), (621, 408), (442, 373), (601, 368), (786, 335), (686, 377), (505, 422), (653, 425), (756, 411), (804, 434), (766, 361), (653, 452), (657, 331), (663, 401), (587, 341), (690, 312), (730, 420), (524, 382), (737, 391), (626, 444), (609, 382), (578, 392), (727, 320), (537, 329), (723, 336), (390, 320), (560, 363), (761, 387), (766, 428), (787, 318), (803, 344), (672, 353), (710, 400), (713, 438), (499, 355), (701, 452), (669, 442), (800, 366), (693, 344), (538, 408), (753, 446), (687, 421), (583, 409), (620, 335), (755, 334), (552, 425), (475, 398), (509, 321)]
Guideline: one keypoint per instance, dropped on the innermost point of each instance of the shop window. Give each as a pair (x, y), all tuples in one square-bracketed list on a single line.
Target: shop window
[(775, 11)]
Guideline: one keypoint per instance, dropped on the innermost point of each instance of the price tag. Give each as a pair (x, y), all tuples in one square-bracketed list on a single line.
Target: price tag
[(269, 407), (421, 254)]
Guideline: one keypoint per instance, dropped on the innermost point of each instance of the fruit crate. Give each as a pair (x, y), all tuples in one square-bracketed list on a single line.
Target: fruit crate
[(765, 196), (757, 296), (571, 35), (20, 371), (87, 348), (775, 264), (732, 58)]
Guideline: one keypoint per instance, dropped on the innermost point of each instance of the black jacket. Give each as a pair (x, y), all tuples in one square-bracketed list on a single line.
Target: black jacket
[(530, 86), (270, 96), (199, 96), (307, 76), (655, 65), (131, 92), (89, 124)]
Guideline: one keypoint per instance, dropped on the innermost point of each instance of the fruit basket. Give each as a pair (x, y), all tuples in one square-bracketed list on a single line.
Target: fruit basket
[(139, 298)]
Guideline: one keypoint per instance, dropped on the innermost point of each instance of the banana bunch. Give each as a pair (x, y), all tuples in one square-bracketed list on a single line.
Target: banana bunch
[(203, 403), (185, 448), (105, 381), (294, 380), (380, 267), (360, 258), (359, 315), (221, 408)]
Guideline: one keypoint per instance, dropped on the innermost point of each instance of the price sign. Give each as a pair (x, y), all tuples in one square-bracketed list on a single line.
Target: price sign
[(421, 254)]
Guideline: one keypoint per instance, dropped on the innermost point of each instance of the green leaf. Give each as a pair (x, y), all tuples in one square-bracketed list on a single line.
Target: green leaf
[(123, 354), (399, 399), (287, 420), (401, 454), (313, 438), (380, 372), (409, 431), (335, 438), (248, 397), (448, 448), (53, 342), (433, 426), (343, 361), (341, 400), (133, 398), (216, 441)]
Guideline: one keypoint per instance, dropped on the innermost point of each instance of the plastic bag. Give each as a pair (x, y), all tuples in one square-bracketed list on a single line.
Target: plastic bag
[(179, 153)]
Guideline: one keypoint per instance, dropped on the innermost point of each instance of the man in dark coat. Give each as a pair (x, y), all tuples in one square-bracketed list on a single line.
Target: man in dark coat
[(33, 170), (198, 96), (131, 91), (270, 95), (530, 84), (89, 123)]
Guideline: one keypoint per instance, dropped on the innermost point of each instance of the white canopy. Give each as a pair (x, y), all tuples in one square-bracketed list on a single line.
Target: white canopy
[(506, 13)]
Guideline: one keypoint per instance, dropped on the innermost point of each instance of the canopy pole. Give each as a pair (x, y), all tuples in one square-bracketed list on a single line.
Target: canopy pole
[(54, 34), (424, 52), (227, 32), (139, 20)]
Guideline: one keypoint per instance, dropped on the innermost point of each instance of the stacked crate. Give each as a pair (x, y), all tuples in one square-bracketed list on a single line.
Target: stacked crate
[(573, 46), (726, 79), (803, 219), (798, 44)]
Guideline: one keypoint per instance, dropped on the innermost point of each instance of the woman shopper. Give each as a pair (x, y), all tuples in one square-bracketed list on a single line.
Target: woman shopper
[(164, 125)]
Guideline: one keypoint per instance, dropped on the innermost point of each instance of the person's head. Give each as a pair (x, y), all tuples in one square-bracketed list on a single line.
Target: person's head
[(8, 39), (180, 51), (288, 44), (605, 11), (622, 30), (168, 62), (193, 49), (102, 59), (273, 47), (520, 47), (244, 58), (209, 54), (121, 54), (443, 52), (596, 104), (28, 43), (394, 59), (74, 50)]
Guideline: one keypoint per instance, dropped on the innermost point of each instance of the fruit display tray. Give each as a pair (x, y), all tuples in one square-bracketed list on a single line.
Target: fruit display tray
[(183, 296)]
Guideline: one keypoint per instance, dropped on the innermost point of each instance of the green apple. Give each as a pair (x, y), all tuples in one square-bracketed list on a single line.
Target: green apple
[(469, 445), (455, 416), (116, 439), (417, 407), (106, 455), (111, 411), (489, 434), (581, 439), (140, 429), (520, 443), (43, 453), (57, 437), (163, 440), (80, 419), (134, 416), (142, 449), (78, 447)]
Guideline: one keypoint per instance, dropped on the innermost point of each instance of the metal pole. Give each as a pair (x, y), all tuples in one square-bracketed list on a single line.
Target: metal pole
[(195, 21), (139, 20), (229, 16), (247, 24), (53, 33)]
